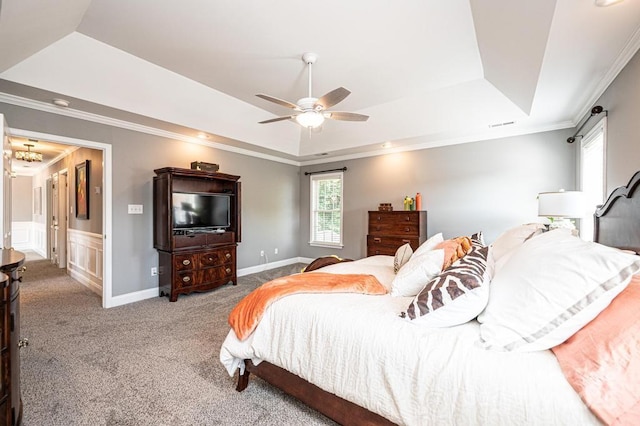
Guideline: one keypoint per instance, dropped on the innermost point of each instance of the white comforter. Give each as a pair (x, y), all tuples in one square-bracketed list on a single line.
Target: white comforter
[(357, 347)]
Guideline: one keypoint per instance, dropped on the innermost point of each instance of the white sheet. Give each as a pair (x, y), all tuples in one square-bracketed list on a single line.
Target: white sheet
[(357, 347)]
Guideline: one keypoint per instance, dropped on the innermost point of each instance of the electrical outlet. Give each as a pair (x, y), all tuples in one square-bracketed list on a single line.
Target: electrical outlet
[(261, 253), (275, 251), (134, 209), (154, 271)]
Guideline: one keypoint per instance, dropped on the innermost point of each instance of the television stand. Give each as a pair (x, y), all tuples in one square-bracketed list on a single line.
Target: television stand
[(194, 259)]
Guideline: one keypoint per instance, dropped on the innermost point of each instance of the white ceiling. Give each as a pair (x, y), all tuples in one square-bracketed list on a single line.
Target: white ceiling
[(427, 72)]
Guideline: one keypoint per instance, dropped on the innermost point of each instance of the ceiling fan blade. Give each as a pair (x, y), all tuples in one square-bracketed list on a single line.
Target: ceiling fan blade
[(273, 120), (333, 97), (346, 116), (281, 102)]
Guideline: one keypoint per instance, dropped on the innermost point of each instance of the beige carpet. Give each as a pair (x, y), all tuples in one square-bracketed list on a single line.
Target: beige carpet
[(147, 363)]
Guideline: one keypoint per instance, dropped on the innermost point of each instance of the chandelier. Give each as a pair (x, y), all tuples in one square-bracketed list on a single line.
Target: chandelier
[(28, 155)]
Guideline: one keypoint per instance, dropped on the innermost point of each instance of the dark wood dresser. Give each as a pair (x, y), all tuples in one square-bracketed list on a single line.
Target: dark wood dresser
[(11, 262), (389, 230)]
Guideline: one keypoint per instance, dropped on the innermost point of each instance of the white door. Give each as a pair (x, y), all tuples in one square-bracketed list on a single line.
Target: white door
[(53, 225), (63, 217), (5, 188)]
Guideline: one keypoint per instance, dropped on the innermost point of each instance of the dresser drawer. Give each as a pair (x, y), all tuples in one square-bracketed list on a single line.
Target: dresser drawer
[(183, 262), (388, 245), (217, 257), (394, 223), (224, 273), (186, 279)]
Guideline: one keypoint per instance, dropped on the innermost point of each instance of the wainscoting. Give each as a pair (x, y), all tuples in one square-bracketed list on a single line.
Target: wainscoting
[(84, 258), (29, 236)]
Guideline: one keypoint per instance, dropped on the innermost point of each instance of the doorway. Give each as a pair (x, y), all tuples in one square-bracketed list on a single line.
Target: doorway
[(64, 203), (58, 218)]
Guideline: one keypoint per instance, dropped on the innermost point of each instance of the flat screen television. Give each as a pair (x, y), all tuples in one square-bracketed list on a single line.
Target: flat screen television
[(201, 211)]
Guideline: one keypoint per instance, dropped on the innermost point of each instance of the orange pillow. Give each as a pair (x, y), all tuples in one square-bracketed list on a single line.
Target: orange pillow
[(602, 360), (454, 249)]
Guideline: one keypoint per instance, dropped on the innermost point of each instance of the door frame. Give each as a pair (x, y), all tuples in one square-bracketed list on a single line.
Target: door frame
[(107, 220)]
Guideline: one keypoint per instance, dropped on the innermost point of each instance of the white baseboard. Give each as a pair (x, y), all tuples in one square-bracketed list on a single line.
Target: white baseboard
[(136, 296), (155, 292), (85, 281), (272, 265)]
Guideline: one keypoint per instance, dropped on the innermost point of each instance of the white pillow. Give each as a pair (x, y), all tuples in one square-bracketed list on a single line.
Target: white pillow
[(379, 266), (429, 245), (403, 254), (417, 272), (549, 288), (513, 238), (455, 296)]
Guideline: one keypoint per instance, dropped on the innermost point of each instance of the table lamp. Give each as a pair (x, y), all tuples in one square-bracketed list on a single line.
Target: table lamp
[(559, 207)]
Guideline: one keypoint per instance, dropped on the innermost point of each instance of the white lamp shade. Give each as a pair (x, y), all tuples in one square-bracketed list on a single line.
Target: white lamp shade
[(561, 204), (310, 119)]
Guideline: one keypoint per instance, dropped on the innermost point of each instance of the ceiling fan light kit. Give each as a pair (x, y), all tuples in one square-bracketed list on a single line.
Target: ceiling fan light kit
[(310, 111)]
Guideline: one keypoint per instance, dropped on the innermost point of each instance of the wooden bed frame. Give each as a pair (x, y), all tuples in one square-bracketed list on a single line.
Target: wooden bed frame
[(617, 224)]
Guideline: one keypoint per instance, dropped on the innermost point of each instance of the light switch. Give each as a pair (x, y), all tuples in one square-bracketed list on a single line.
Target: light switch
[(135, 209)]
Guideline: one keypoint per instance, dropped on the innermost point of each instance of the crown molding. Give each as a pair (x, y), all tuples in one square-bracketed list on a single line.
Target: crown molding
[(101, 119), (627, 52)]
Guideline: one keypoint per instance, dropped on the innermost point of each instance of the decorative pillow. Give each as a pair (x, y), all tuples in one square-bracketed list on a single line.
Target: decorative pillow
[(455, 296), (403, 254), (429, 245), (418, 271), (478, 238), (549, 288), (513, 238), (602, 360), (454, 249)]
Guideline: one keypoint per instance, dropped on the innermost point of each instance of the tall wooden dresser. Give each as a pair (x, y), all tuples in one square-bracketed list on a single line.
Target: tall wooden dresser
[(389, 230)]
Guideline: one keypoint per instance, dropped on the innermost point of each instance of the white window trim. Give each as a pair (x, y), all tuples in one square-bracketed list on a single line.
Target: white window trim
[(599, 128), (312, 200)]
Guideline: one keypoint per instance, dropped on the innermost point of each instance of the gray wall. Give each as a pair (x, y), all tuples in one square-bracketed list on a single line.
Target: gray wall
[(22, 199), (483, 186), (622, 100), (270, 193), (94, 223)]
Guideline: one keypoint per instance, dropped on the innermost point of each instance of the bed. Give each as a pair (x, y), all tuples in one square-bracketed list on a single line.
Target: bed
[(377, 359)]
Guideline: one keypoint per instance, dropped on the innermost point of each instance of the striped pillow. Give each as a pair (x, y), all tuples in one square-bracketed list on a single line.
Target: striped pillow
[(455, 296)]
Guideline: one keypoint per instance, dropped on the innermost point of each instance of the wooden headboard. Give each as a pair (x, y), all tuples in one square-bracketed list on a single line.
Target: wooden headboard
[(617, 221)]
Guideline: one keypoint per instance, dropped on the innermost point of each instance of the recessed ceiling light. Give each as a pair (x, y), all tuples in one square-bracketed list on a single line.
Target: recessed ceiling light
[(61, 102), (605, 3)]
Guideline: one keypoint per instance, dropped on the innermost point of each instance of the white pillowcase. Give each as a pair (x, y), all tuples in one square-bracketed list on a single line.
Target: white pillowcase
[(429, 245), (549, 288), (403, 254), (379, 266), (513, 238), (417, 272)]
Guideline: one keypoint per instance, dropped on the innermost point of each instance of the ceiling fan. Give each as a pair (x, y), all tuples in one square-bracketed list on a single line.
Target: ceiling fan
[(311, 112)]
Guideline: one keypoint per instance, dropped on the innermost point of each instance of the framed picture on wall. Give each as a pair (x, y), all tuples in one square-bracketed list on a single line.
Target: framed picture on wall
[(82, 190)]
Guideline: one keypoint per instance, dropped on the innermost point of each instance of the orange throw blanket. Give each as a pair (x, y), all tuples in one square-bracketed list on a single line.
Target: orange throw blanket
[(244, 318)]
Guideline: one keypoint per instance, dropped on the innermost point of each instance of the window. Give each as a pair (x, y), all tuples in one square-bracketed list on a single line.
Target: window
[(326, 210), (592, 174)]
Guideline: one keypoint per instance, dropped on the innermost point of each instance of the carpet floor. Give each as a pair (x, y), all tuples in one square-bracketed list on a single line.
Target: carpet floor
[(148, 363)]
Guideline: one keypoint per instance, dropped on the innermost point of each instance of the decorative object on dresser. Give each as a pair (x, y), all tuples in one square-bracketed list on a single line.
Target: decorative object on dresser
[(207, 167), (389, 230), (196, 221), (385, 207), (11, 262)]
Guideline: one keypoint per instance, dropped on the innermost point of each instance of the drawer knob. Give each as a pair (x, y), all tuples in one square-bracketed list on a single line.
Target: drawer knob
[(406, 241), (227, 255), (406, 229), (210, 259), (186, 279), (408, 219), (186, 262), (379, 218), (228, 270), (377, 240)]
